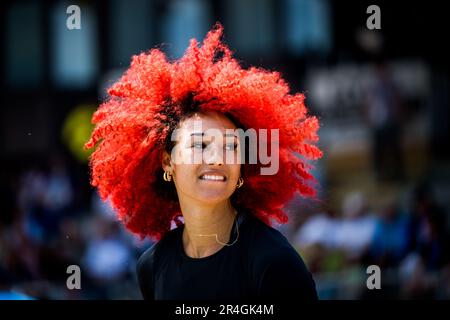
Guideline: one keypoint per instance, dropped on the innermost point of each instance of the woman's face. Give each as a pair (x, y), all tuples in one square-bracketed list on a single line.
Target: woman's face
[(204, 162)]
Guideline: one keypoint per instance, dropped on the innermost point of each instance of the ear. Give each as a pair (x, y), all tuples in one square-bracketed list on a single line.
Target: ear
[(166, 162)]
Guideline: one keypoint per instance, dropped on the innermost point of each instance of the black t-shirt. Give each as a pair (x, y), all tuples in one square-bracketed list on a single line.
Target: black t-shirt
[(261, 264)]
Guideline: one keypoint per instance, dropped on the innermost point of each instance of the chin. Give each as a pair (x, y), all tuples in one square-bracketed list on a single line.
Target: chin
[(212, 197)]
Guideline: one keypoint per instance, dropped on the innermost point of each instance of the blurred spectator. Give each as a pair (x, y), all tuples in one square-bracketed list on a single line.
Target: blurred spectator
[(383, 112), (390, 241), (351, 234), (318, 229), (46, 198), (107, 257), (428, 229), (356, 229), (414, 280)]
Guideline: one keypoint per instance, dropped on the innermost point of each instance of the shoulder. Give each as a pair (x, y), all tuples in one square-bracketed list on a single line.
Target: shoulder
[(144, 272), (278, 268), (150, 258), (145, 261), (149, 262), (267, 242)]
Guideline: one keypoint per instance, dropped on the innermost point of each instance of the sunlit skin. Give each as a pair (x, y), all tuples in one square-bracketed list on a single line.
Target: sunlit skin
[(205, 204)]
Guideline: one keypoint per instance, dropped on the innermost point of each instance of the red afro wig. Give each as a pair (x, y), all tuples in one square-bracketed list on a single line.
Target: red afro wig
[(133, 125)]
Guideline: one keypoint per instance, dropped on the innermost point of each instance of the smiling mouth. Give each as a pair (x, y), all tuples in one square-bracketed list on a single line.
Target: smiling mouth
[(214, 178)]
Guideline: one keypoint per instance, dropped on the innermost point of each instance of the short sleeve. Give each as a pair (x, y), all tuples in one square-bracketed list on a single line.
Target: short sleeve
[(145, 275), (286, 277)]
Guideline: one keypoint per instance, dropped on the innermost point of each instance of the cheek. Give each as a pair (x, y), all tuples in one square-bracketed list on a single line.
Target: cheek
[(232, 158), (179, 155), (186, 176), (189, 156)]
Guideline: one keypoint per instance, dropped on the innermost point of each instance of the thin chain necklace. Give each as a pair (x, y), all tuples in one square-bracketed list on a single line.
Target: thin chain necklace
[(215, 234)]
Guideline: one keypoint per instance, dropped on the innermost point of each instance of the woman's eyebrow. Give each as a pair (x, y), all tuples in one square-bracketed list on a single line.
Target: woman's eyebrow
[(230, 135)]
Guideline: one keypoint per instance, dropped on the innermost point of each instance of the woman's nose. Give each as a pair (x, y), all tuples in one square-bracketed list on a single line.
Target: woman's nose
[(213, 155)]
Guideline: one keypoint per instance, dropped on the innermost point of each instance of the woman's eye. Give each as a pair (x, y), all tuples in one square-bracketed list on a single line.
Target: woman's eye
[(202, 145), (231, 146), (198, 145)]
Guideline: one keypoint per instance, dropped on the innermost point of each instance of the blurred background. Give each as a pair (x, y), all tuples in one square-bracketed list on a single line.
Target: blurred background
[(382, 96)]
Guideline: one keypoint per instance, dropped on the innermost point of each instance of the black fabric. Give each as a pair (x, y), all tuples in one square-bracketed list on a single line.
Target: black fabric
[(261, 264)]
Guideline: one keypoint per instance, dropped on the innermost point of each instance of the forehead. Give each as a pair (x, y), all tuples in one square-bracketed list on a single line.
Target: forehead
[(199, 122)]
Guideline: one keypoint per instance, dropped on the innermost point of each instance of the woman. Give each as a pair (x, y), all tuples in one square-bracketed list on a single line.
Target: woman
[(161, 119)]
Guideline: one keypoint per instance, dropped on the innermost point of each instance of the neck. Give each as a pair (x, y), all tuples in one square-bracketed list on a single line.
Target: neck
[(206, 220)]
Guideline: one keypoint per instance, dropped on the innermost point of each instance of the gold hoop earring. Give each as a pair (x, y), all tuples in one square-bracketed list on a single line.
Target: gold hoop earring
[(167, 176), (240, 182)]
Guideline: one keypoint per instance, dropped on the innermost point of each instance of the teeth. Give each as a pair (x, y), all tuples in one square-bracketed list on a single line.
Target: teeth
[(212, 177)]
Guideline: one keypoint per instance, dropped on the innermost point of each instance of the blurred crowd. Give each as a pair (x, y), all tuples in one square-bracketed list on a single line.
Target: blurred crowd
[(407, 238), (45, 232)]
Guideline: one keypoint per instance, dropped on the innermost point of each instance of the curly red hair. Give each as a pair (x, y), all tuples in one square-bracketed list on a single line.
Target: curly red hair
[(132, 126)]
